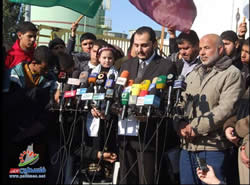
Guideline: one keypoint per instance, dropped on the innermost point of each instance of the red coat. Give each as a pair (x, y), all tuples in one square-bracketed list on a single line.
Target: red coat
[(16, 55)]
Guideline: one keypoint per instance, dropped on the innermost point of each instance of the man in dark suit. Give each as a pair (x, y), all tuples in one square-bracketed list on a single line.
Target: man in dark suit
[(138, 167)]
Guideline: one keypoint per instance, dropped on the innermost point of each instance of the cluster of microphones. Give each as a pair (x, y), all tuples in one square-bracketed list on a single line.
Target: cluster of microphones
[(123, 96)]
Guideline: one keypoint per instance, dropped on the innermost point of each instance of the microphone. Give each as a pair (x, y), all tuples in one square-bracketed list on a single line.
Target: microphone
[(144, 87), (99, 95), (74, 82), (160, 85), (144, 91), (169, 82), (129, 85), (180, 85), (152, 87), (69, 94), (100, 82), (161, 82), (135, 91), (109, 85), (90, 91), (62, 77), (121, 83), (125, 98), (83, 77), (124, 102), (152, 100)]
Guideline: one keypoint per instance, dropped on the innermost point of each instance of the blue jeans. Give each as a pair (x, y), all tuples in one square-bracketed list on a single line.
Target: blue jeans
[(188, 165)]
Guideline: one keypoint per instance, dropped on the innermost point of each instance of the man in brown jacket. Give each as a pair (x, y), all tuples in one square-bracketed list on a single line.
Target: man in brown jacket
[(213, 88)]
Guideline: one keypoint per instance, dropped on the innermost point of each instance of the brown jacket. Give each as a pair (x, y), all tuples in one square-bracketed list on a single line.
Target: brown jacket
[(209, 101)]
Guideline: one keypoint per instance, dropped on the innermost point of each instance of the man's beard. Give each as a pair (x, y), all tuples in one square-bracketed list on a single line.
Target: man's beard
[(211, 61)]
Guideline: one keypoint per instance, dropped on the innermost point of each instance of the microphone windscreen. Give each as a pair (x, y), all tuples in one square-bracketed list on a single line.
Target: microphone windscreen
[(181, 77), (130, 82), (76, 74), (112, 76), (124, 74), (154, 80), (92, 80), (83, 76)]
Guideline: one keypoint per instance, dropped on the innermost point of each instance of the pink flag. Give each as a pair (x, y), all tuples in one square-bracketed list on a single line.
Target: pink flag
[(176, 14)]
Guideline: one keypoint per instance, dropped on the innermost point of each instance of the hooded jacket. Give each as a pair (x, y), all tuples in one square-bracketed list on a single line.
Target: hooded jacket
[(16, 55)]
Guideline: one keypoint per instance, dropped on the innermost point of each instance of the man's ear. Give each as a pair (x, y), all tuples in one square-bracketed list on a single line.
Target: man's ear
[(155, 44), (221, 50), (19, 35)]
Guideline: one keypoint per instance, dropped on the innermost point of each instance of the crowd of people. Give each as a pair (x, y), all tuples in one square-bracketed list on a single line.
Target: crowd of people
[(206, 140)]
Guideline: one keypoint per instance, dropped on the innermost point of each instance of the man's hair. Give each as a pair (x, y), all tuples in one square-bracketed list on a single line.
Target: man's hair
[(42, 54), (26, 26), (146, 29), (100, 43), (119, 52), (219, 42), (131, 42), (246, 42), (55, 42), (229, 35), (65, 61), (190, 37), (87, 36)]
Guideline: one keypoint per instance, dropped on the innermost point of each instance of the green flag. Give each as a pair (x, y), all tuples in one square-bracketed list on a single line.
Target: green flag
[(85, 7)]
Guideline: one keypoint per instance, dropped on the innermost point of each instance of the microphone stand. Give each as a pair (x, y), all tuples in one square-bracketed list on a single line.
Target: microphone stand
[(81, 171), (61, 120)]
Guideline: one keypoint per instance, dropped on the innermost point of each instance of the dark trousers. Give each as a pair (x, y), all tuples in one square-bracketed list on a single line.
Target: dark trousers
[(136, 167), (188, 164)]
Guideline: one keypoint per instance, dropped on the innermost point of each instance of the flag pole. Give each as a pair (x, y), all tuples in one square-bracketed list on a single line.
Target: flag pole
[(244, 19), (79, 18), (162, 39)]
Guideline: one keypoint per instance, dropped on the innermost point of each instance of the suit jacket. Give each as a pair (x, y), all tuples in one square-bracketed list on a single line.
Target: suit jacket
[(158, 66)]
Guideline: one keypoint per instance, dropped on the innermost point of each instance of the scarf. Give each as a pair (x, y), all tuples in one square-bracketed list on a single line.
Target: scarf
[(31, 79)]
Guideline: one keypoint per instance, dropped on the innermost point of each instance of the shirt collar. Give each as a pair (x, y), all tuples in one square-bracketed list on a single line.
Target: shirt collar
[(91, 66), (149, 59), (191, 63)]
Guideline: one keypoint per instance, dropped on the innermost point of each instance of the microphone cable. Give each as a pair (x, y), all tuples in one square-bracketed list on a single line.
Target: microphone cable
[(164, 145), (66, 147), (146, 146), (124, 145), (142, 149)]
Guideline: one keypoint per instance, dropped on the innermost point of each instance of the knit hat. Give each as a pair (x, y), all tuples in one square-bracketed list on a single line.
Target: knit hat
[(55, 42), (229, 35)]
